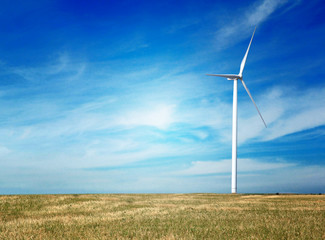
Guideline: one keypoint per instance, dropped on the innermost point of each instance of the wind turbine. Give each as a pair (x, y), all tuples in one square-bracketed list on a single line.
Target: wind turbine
[(235, 78)]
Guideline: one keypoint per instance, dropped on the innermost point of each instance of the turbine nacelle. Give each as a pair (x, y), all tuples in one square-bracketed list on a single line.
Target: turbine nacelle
[(236, 78), (228, 76)]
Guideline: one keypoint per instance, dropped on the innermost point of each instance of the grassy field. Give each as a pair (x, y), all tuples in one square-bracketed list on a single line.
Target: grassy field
[(162, 216)]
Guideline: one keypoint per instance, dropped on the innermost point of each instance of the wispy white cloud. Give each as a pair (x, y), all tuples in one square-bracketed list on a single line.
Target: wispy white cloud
[(224, 166), (61, 64), (296, 111), (285, 110), (262, 11), (243, 26), (87, 119)]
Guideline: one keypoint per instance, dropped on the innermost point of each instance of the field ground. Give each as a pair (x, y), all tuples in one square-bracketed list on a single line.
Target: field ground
[(162, 216)]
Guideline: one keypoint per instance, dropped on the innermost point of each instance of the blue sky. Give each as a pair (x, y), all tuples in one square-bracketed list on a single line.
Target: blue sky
[(112, 96)]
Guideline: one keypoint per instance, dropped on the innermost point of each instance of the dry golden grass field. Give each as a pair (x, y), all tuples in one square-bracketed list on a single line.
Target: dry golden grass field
[(162, 216)]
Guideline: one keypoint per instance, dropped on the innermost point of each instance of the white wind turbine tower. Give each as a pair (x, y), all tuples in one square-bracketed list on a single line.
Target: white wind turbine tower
[(235, 78)]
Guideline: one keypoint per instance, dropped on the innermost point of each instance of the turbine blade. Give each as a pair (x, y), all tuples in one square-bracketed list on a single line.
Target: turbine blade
[(224, 75), (249, 94), (243, 62)]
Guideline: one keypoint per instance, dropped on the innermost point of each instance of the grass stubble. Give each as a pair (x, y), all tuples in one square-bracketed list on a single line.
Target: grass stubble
[(162, 216)]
